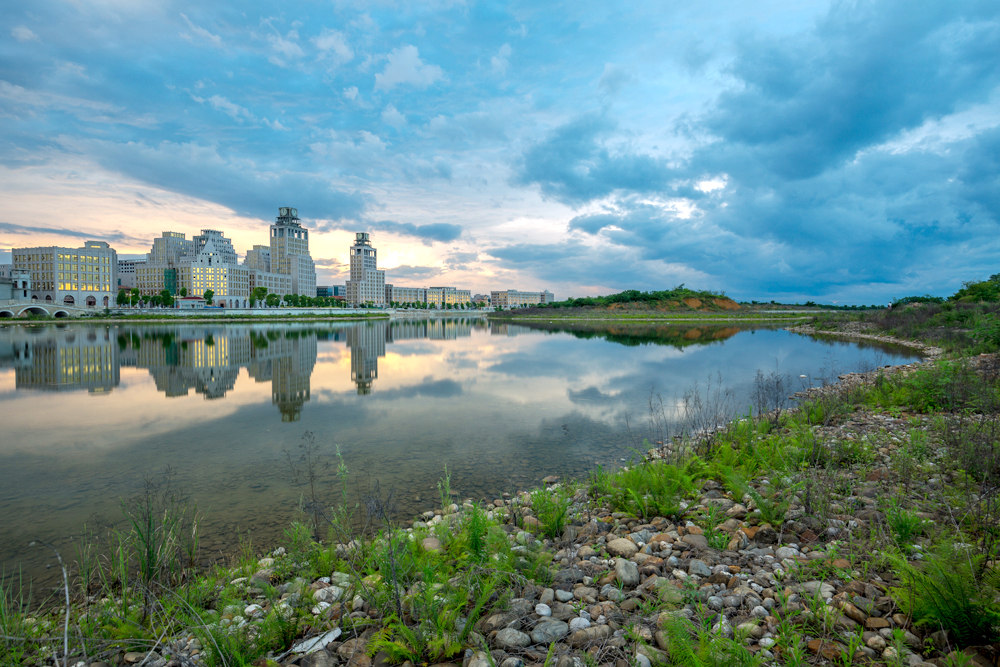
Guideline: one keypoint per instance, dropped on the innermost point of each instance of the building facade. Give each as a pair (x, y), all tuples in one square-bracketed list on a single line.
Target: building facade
[(289, 252), (126, 277), (82, 277), (367, 283), (395, 294), (15, 284), (207, 262), (259, 258), (516, 299)]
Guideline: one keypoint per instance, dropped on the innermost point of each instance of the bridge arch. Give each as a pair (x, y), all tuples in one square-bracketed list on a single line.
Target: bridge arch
[(6, 314)]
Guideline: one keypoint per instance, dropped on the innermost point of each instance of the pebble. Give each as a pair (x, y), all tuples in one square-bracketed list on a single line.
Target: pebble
[(543, 609)]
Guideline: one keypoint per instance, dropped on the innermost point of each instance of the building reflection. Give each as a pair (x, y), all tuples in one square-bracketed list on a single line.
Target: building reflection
[(206, 358)]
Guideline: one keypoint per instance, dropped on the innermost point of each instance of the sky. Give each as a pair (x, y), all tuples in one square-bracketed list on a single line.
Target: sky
[(845, 152)]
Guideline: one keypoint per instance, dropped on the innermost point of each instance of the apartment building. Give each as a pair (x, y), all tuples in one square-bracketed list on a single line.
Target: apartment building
[(289, 252), (516, 299), (72, 276)]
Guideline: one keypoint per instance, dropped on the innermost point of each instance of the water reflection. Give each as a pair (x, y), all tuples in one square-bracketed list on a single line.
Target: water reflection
[(501, 404)]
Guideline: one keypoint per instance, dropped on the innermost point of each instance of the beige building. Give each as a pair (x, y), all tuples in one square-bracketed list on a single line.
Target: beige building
[(394, 294), (82, 277), (207, 262), (289, 252), (516, 299), (15, 284), (367, 283), (259, 258), (441, 296)]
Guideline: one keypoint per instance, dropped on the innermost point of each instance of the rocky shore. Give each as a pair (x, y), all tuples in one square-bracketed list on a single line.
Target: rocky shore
[(815, 585)]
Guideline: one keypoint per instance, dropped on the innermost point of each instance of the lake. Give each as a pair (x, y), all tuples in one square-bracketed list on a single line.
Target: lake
[(89, 412)]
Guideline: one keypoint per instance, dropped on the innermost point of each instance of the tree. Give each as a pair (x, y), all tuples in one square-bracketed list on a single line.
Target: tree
[(208, 297), (272, 300), (122, 299), (259, 294), (184, 291), (166, 298), (134, 297)]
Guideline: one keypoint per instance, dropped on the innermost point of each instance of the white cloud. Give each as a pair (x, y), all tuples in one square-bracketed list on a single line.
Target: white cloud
[(274, 125), (88, 110), (334, 46), (24, 34), (351, 93), (406, 67), (231, 109), (200, 32), (501, 60), (390, 116), (284, 47)]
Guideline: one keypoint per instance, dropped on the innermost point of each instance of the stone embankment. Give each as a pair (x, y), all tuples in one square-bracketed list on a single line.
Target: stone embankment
[(857, 330)]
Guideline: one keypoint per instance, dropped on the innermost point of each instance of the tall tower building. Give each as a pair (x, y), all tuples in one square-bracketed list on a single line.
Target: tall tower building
[(367, 283), (290, 252)]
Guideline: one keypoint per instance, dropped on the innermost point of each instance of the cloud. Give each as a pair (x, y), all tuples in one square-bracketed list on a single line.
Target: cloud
[(405, 271), (429, 388), (501, 60), (231, 109), (333, 46), (351, 93), (613, 79), (285, 48), (205, 172), (390, 116), (406, 67), (215, 40), (429, 233), (111, 237), (88, 110), (23, 34), (575, 165)]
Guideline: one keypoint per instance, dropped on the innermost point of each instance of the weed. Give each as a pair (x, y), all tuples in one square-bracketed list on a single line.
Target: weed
[(551, 509)]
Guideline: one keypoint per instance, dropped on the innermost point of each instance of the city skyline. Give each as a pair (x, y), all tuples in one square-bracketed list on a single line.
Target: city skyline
[(831, 151)]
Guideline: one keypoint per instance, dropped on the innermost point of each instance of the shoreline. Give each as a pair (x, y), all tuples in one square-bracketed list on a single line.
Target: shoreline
[(931, 352)]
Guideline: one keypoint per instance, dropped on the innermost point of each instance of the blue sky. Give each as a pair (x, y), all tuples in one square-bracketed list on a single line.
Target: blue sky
[(844, 152)]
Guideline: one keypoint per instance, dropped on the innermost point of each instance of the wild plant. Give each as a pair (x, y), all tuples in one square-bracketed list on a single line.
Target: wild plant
[(552, 511), (646, 489), (905, 525), (305, 470), (444, 489), (952, 591), (769, 395)]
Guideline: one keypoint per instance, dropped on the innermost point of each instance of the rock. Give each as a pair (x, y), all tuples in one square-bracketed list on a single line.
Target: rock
[(330, 594), (876, 642), (570, 575), (512, 662), (318, 659), (696, 541), (564, 596), (543, 609), (499, 621), (586, 594), (548, 631), (352, 648), (547, 596), (642, 661), (812, 587), (479, 659), (579, 623), (590, 635), (586, 553), (781, 553), (510, 638), (254, 611), (699, 568), (627, 572), (432, 544), (612, 592), (828, 649), (133, 657), (875, 623), (622, 547)]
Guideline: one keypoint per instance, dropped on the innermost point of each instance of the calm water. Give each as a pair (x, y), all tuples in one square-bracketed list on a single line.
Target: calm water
[(87, 412)]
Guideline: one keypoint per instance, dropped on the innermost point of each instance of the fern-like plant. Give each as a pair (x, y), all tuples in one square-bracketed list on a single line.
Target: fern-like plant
[(952, 591)]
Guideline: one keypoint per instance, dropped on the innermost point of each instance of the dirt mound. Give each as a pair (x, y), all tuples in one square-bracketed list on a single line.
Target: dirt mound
[(692, 303), (727, 304)]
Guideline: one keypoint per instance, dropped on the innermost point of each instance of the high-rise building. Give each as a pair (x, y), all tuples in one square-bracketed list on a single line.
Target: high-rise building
[(127, 273), (367, 283), (72, 276), (290, 252)]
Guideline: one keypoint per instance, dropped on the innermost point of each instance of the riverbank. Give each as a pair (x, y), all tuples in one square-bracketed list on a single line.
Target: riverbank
[(788, 537), (667, 317)]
